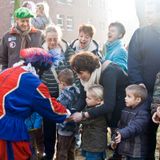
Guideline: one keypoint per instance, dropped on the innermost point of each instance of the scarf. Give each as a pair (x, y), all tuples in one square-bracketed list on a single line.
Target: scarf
[(111, 46), (94, 78), (25, 37), (78, 49)]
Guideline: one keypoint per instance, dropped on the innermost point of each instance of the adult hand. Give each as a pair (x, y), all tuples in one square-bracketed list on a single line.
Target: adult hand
[(118, 138), (76, 117)]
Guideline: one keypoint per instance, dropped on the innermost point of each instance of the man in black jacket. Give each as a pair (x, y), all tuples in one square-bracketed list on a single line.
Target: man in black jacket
[(143, 58)]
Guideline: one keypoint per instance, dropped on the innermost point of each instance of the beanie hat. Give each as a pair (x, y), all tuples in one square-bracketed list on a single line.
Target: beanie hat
[(23, 12), (38, 57)]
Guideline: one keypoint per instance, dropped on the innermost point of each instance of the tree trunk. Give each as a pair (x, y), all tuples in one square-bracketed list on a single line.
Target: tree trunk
[(16, 4)]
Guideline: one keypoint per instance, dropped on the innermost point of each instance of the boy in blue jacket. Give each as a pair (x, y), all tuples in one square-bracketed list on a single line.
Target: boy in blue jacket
[(131, 135), (66, 131)]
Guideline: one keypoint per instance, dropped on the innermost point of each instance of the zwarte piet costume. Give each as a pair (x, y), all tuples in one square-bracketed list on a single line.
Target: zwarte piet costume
[(21, 94)]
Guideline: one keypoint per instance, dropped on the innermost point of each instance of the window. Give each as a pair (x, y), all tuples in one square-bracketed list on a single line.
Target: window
[(103, 4), (69, 2), (69, 23), (61, 1), (60, 21), (90, 3)]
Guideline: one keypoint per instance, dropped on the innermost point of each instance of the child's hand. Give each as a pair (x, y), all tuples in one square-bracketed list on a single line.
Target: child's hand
[(113, 145), (118, 138), (156, 118)]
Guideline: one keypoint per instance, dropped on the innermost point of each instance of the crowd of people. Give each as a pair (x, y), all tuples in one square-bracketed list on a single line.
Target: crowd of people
[(57, 97)]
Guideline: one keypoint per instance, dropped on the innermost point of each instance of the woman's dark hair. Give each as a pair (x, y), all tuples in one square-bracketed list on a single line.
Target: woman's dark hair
[(84, 61), (119, 26)]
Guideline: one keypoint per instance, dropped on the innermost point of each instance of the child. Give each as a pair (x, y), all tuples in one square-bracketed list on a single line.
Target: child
[(85, 41), (34, 126), (132, 132), (66, 131), (94, 131), (114, 49)]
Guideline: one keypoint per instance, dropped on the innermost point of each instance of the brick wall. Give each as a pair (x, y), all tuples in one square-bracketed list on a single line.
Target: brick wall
[(80, 11)]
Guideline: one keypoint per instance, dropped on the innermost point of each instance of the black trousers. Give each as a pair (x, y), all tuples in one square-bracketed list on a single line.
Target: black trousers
[(152, 141), (49, 129)]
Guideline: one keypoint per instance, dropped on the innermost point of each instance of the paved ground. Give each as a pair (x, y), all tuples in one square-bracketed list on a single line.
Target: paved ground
[(157, 153), (78, 156)]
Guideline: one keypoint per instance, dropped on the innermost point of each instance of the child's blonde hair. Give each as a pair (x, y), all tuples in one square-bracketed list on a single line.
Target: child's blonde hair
[(96, 91), (138, 91)]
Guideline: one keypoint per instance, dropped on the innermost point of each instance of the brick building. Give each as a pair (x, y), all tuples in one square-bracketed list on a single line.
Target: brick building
[(68, 14)]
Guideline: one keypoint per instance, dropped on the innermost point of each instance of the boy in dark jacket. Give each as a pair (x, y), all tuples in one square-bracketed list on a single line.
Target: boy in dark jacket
[(132, 132)]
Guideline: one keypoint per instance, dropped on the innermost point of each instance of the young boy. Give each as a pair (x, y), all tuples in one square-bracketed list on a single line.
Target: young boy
[(34, 126), (132, 132), (66, 131), (94, 131)]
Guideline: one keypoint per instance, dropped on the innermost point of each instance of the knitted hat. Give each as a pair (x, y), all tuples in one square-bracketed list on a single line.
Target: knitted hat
[(38, 57), (23, 12)]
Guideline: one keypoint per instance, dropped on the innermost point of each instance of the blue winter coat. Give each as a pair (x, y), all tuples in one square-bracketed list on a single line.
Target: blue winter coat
[(68, 97)]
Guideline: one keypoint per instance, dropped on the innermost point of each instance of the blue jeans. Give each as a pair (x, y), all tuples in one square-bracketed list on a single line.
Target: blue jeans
[(94, 155)]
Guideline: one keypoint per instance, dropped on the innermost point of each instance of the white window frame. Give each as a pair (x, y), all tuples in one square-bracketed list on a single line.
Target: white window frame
[(103, 4), (60, 2), (60, 17), (69, 23), (69, 2), (90, 3)]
